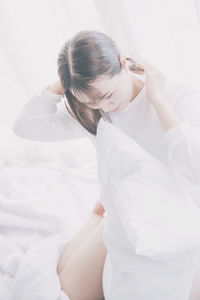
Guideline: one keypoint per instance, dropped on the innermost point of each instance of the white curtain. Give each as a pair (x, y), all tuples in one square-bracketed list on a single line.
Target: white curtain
[(165, 33), (197, 6), (31, 34)]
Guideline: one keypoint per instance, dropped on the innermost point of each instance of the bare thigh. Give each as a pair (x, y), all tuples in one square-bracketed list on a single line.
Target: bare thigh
[(81, 276), (195, 289)]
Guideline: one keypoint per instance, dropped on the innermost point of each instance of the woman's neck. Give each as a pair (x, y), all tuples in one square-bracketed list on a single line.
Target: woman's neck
[(137, 87)]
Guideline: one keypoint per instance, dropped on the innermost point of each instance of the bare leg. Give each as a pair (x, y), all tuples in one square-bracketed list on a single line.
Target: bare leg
[(80, 237), (81, 276), (195, 289)]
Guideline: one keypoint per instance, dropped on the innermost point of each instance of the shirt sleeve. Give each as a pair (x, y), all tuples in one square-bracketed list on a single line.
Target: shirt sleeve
[(183, 140), (41, 120)]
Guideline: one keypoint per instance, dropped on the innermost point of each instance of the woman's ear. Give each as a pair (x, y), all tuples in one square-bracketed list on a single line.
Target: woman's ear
[(123, 61)]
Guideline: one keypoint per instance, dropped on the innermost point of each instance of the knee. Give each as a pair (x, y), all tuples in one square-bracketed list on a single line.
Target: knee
[(69, 284)]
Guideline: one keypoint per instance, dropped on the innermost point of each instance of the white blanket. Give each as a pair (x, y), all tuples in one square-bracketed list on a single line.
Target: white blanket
[(42, 205)]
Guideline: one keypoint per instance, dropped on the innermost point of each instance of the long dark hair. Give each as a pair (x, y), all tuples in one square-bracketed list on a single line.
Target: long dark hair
[(87, 56)]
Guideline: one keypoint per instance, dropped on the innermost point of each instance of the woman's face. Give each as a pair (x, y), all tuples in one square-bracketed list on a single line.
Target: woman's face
[(117, 91)]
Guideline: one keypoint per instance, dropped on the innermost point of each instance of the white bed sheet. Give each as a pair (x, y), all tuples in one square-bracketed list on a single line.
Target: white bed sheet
[(43, 202)]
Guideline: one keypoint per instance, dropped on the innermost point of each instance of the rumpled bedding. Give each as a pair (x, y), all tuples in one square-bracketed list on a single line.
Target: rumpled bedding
[(43, 203)]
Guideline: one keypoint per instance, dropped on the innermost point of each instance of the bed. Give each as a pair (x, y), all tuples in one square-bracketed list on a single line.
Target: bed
[(43, 203)]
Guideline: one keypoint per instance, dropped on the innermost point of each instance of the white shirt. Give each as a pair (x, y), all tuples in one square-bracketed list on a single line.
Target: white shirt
[(45, 118)]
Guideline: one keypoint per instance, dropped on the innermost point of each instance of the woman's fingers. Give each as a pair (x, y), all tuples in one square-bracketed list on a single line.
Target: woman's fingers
[(99, 209), (146, 66)]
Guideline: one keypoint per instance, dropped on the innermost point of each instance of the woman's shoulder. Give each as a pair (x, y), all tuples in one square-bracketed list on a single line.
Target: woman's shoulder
[(176, 91), (175, 86), (185, 99)]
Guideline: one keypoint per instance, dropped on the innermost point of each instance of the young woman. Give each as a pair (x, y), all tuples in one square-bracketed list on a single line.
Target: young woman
[(96, 80)]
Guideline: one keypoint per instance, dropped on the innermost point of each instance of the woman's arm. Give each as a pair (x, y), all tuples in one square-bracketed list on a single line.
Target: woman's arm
[(182, 133), (56, 88), (181, 124), (41, 119), (167, 116)]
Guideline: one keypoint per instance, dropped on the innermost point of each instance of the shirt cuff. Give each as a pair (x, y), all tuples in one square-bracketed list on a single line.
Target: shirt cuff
[(176, 133), (51, 95)]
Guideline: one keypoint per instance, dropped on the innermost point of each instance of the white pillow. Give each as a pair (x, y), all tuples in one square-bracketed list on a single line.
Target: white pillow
[(144, 199)]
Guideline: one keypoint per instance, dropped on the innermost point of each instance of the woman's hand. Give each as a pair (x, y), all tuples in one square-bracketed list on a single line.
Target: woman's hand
[(99, 209), (155, 86), (56, 87), (155, 83)]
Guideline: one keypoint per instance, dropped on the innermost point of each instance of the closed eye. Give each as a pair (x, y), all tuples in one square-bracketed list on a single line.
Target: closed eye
[(100, 98), (106, 97), (96, 101)]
